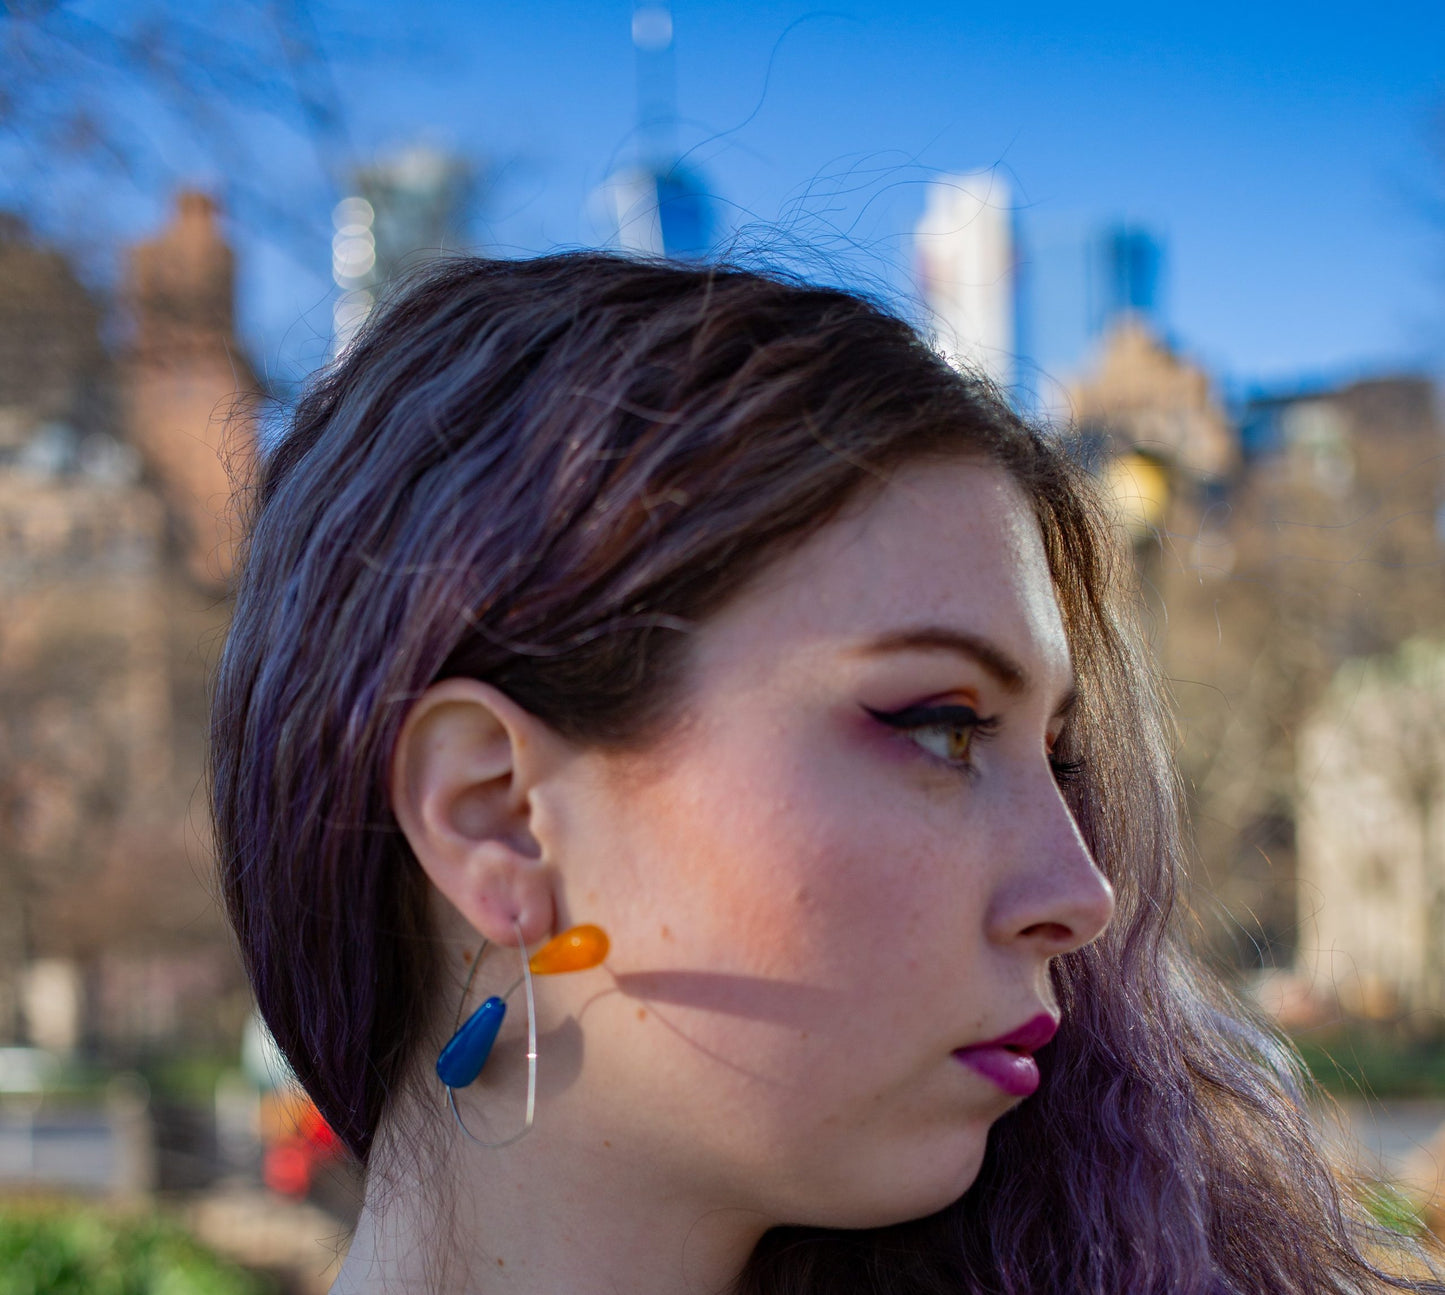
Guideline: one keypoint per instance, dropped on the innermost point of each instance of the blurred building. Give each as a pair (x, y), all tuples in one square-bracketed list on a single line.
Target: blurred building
[(405, 209), (114, 548), (184, 379), (661, 211), (964, 246), (1077, 279), (1155, 405), (1371, 780), (658, 206), (1030, 299)]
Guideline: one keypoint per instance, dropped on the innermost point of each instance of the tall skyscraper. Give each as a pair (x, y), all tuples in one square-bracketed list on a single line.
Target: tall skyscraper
[(966, 270), (1078, 279), (663, 211), (1126, 263), (658, 207)]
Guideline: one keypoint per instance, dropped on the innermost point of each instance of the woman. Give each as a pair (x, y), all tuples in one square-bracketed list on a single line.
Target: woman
[(714, 612)]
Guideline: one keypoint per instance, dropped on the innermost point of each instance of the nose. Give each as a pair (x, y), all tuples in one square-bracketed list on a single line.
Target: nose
[(1050, 894)]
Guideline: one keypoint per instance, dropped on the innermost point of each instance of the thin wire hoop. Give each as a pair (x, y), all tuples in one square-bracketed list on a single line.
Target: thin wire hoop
[(524, 979)]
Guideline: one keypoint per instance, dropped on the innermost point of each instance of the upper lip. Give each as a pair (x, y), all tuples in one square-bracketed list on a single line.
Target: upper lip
[(1028, 1037)]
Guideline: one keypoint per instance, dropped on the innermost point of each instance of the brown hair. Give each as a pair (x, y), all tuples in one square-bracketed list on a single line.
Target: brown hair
[(541, 474)]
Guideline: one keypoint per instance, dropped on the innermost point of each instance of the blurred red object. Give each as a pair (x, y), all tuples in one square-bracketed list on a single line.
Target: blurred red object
[(317, 1133), (287, 1169), (299, 1140)]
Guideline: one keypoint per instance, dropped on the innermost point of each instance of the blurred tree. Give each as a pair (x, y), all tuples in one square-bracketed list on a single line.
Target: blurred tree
[(107, 101), (110, 604), (1268, 555), (1325, 549), (108, 600)]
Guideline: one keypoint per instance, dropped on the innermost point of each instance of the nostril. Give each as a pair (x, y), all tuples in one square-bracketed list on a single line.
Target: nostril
[(1053, 932)]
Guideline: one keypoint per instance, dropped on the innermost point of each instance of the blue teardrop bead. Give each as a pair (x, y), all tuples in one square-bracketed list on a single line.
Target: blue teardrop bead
[(461, 1061)]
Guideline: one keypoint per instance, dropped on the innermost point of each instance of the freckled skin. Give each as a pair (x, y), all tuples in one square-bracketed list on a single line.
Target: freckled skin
[(815, 911)]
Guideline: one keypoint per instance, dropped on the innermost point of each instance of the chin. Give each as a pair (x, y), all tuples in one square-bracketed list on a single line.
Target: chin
[(903, 1188)]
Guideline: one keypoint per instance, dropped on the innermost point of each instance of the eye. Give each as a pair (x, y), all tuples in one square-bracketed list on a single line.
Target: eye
[(946, 733)]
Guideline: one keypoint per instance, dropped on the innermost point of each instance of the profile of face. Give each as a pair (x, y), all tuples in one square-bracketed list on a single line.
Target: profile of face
[(844, 869)]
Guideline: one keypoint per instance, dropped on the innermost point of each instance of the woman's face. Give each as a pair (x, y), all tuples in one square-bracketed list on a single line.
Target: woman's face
[(848, 865)]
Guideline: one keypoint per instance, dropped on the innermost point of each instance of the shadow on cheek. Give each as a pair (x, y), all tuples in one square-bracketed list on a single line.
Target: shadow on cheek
[(559, 1063), (755, 998)]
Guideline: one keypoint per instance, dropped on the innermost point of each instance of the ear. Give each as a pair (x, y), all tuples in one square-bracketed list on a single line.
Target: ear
[(463, 769)]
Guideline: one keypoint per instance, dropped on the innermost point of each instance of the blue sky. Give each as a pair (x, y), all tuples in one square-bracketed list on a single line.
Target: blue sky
[(1283, 151)]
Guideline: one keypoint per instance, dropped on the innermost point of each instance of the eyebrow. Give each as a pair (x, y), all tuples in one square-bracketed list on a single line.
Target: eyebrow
[(1011, 676)]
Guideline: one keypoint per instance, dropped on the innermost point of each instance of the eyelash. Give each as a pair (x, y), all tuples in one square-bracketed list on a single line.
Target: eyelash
[(1067, 773), (965, 721), (957, 723)]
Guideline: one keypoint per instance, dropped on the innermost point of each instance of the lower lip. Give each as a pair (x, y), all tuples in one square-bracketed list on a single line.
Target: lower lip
[(1017, 1073)]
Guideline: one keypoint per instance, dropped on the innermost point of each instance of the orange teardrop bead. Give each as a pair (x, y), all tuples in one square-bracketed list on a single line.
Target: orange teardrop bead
[(574, 950)]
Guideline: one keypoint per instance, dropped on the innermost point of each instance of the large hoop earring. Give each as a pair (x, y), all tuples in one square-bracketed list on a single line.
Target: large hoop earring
[(467, 1051)]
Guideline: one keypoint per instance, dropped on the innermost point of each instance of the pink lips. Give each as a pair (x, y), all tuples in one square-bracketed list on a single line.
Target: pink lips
[(1008, 1060)]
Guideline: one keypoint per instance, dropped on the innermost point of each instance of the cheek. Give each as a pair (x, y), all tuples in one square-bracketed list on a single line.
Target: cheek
[(817, 862), (786, 946)]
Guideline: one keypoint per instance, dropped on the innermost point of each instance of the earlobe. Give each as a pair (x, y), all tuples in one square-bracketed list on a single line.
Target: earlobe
[(463, 769)]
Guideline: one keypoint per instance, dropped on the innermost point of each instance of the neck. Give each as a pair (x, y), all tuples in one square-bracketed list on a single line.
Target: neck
[(536, 1218)]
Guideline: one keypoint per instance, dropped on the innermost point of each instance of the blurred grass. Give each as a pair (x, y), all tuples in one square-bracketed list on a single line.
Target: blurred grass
[(56, 1247)]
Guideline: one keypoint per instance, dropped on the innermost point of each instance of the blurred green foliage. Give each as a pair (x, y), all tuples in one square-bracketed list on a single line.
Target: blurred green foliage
[(1356, 1060), (54, 1248), (186, 1077), (1392, 1209), (171, 1076)]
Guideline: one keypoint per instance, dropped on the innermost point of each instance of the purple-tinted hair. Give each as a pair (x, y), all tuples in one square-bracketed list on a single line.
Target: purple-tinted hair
[(537, 473)]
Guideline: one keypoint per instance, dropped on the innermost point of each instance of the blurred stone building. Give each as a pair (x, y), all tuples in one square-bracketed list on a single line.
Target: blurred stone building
[(1273, 548), (1372, 835), (114, 550), (184, 377)]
